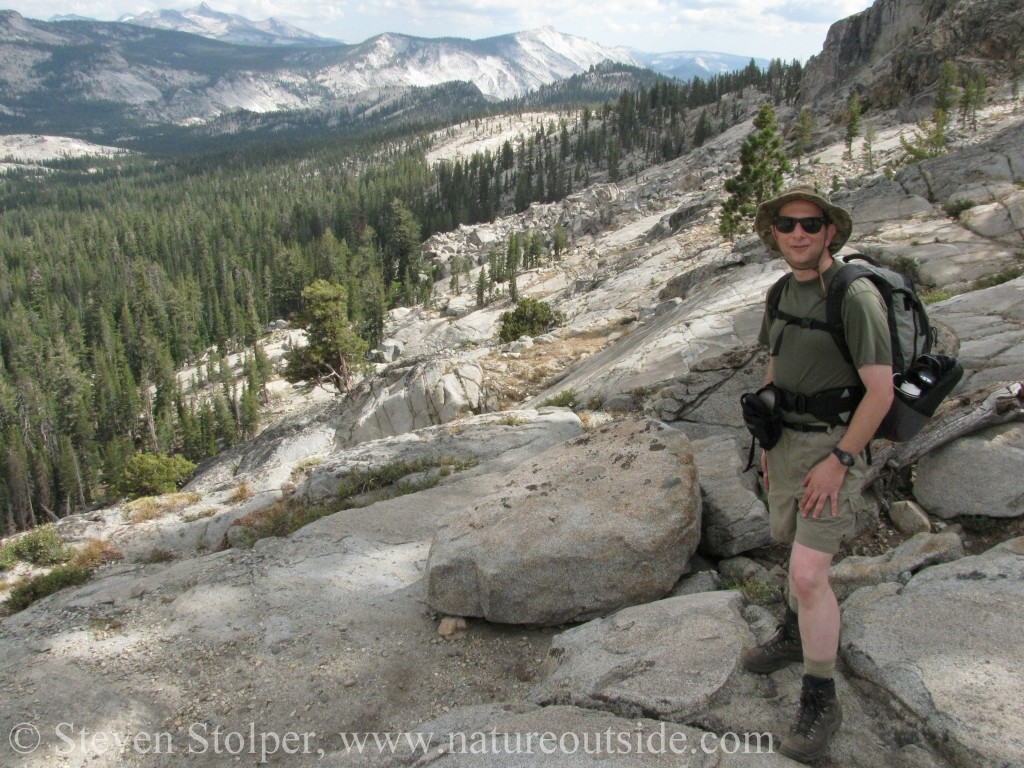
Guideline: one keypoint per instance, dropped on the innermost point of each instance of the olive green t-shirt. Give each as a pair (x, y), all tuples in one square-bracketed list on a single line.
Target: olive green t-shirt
[(809, 360)]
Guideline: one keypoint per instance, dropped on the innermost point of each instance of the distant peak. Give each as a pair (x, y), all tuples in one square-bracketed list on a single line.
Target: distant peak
[(545, 31)]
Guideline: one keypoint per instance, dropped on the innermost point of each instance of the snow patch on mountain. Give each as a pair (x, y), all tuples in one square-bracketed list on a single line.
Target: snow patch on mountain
[(578, 50), (229, 27), (501, 67)]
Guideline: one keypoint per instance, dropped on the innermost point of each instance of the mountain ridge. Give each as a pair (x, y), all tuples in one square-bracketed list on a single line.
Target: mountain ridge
[(206, 21), (203, 20), (95, 79), (123, 77)]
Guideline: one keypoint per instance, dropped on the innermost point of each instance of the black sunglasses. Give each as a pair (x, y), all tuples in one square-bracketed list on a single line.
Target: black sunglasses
[(811, 224)]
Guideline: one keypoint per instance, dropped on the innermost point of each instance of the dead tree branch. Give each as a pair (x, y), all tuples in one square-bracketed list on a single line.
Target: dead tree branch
[(961, 415)]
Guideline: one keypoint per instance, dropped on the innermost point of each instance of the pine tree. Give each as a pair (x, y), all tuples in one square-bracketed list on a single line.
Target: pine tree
[(702, 131), (453, 281), (852, 120), (19, 484), (762, 166), (946, 86), (805, 126), (559, 241), (224, 421), (972, 97), (263, 370), (929, 139), (333, 352), (869, 151), (512, 266), (534, 249), (481, 288), (401, 238), (250, 412)]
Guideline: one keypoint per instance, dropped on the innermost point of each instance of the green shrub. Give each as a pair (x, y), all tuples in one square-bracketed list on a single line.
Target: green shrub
[(530, 318), (756, 592), (7, 557), (281, 518), (148, 474), (511, 420), (1012, 273), (41, 546), (939, 294), (907, 266), (361, 481), (564, 399), (955, 207), (96, 552), (76, 567), (27, 591)]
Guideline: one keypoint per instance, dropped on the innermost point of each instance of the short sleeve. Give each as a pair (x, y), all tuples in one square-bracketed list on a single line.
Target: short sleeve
[(867, 329)]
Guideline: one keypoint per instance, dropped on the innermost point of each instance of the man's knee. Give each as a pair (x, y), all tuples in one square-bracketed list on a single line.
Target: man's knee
[(807, 585), (809, 572)]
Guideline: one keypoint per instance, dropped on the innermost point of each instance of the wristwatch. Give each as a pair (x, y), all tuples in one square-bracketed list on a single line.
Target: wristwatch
[(846, 459)]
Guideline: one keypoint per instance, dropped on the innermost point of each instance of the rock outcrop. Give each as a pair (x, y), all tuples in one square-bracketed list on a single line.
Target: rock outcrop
[(968, 477), (734, 519), (606, 520), (669, 659), (409, 396), (950, 658), (891, 52)]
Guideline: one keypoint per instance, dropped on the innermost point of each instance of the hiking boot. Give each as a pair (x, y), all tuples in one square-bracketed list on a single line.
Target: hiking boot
[(781, 650), (820, 717)]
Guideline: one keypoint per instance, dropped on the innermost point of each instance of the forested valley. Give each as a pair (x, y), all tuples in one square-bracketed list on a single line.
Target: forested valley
[(117, 273)]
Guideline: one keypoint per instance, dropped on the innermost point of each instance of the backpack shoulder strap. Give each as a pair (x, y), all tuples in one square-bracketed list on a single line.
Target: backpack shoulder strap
[(775, 294), (775, 297), (772, 303), (837, 292), (834, 303)]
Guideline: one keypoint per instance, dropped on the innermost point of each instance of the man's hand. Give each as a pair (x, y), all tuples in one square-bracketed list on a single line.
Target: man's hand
[(822, 485)]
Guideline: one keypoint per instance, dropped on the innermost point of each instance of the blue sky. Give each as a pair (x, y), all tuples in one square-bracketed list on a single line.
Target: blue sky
[(786, 29)]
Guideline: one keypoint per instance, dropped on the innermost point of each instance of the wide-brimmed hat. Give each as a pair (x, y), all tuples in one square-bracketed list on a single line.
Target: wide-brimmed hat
[(769, 209)]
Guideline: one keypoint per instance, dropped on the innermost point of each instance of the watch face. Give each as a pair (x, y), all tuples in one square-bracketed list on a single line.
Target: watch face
[(846, 459)]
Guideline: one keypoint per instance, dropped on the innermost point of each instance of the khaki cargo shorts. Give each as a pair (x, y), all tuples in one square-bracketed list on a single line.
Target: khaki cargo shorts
[(788, 463)]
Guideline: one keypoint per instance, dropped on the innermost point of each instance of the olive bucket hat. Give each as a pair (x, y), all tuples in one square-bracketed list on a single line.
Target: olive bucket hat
[(769, 209)]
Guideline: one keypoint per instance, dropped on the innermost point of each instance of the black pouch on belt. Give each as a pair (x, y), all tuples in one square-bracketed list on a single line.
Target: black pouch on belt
[(762, 417)]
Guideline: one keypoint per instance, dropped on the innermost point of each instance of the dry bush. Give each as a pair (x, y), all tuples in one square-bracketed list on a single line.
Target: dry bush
[(152, 507), (242, 492), (97, 552)]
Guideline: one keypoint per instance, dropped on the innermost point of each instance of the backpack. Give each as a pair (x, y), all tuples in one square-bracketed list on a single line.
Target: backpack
[(921, 380)]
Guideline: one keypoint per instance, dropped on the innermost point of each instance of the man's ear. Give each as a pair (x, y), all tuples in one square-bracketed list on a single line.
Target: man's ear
[(830, 232)]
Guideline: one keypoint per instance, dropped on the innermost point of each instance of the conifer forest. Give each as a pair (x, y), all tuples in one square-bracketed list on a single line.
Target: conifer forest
[(118, 273)]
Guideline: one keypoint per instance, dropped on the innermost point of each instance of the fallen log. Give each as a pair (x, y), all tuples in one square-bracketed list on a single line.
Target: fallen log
[(960, 415)]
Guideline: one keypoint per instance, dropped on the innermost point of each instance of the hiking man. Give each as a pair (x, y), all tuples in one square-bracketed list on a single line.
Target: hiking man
[(813, 475)]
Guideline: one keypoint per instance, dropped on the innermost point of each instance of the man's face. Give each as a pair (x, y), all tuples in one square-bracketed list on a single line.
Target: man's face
[(803, 250)]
